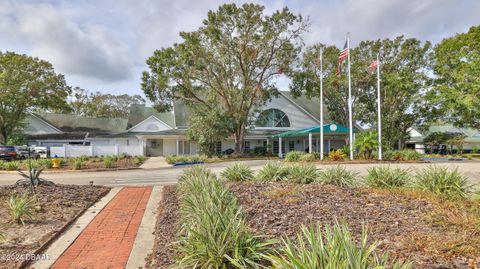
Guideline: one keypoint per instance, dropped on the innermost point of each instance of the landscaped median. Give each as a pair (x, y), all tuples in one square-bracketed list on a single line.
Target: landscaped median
[(296, 216), (30, 221), (77, 163)]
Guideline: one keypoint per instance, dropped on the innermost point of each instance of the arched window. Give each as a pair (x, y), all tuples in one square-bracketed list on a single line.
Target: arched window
[(273, 118)]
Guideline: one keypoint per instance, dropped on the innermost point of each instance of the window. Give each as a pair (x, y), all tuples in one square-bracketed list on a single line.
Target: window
[(247, 146), (275, 147), (291, 145), (272, 118), (218, 147)]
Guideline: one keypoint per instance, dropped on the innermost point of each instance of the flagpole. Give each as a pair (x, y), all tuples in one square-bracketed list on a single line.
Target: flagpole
[(321, 103), (350, 100), (379, 125)]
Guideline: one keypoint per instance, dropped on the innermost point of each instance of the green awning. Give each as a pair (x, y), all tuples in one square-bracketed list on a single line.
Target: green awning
[(327, 129)]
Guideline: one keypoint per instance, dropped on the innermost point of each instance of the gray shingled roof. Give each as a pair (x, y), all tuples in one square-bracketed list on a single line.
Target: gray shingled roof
[(71, 123), (310, 105), (139, 113)]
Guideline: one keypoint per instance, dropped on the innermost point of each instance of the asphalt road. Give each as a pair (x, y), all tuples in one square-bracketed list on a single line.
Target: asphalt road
[(170, 175)]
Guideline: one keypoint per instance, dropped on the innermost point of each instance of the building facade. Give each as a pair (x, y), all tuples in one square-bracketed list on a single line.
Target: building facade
[(151, 133)]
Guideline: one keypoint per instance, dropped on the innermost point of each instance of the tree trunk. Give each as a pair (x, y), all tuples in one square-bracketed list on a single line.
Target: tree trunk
[(239, 138), (3, 138)]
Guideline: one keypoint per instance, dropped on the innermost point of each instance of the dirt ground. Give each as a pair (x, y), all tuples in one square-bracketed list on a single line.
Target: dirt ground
[(431, 233), (165, 230), (56, 206), (403, 224)]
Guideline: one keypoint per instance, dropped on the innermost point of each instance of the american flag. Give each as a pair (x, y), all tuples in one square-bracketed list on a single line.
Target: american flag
[(342, 56), (373, 65)]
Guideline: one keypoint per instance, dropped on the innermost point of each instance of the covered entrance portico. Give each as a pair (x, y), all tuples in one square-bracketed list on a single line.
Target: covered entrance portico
[(308, 139)]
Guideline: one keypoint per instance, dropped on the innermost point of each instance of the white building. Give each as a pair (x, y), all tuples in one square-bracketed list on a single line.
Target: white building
[(151, 133)]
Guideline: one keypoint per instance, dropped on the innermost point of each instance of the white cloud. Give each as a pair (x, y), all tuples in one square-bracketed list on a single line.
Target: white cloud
[(103, 44), (82, 50)]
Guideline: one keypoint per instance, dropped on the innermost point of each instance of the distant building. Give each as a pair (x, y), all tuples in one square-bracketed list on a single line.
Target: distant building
[(151, 133), (416, 141)]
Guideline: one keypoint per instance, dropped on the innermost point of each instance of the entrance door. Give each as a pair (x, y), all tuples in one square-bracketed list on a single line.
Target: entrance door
[(155, 147)]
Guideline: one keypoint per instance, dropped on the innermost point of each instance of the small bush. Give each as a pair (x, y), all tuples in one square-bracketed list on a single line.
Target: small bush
[(77, 164), (108, 162), (237, 172), (338, 176), (260, 151), (410, 155), (337, 155), (305, 174), (386, 177), (45, 163), (273, 171), (333, 248), (20, 208), (214, 233), (123, 155), (441, 181), (3, 165), (138, 160), (309, 157), (293, 156), (82, 158), (12, 165)]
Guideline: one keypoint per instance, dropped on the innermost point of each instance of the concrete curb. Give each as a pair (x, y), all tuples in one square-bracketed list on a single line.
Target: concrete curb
[(144, 240), (68, 237)]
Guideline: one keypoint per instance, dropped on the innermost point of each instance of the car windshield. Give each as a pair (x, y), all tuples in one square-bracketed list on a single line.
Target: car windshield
[(7, 148)]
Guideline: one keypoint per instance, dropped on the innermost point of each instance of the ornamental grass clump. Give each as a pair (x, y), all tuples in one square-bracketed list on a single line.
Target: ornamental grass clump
[(338, 176), (309, 157), (293, 156), (305, 174), (441, 181), (273, 171), (332, 248), (237, 172), (387, 177), (213, 232), (21, 207)]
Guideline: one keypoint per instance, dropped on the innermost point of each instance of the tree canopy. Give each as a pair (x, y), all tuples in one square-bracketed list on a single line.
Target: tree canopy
[(228, 65), (27, 83), (456, 94), (404, 80), (102, 105)]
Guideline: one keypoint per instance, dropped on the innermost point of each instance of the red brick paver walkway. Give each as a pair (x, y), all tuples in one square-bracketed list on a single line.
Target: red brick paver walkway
[(107, 241)]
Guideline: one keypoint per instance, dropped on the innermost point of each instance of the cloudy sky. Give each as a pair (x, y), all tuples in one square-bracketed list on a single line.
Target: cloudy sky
[(103, 44)]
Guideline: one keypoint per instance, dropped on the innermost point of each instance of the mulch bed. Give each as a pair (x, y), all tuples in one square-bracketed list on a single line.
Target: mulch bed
[(402, 223), (56, 206), (165, 230), (398, 221)]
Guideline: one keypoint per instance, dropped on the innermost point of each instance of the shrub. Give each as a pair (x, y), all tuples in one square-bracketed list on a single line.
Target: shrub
[(77, 164), (237, 172), (137, 160), (475, 149), (410, 155), (309, 157), (108, 162), (12, 165), (20, 208), (335, 249), (3, 165), (293, 156), (260, 151), (441, 181), (45, 163), (214, 233), (386, 177), (305, 173), (338, 176), (82, 158), (123, 155), (337, 155), (273, 171)]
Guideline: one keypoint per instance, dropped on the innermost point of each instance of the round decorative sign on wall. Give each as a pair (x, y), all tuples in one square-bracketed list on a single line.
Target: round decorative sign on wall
[(333, 127)]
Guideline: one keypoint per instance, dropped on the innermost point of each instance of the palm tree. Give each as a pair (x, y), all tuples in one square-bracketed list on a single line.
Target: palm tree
[(366, 143)]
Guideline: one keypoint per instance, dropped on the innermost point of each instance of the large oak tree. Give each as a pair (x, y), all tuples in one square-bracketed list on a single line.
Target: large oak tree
[(27, 84), (228, 65), (404, 80), (456, 94)]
